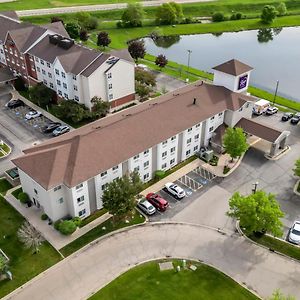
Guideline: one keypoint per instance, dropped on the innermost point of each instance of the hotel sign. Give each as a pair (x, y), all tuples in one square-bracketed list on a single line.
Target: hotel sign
[(243, 82)]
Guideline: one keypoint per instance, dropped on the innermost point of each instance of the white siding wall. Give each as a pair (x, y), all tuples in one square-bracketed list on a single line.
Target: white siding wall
[(142, 162), (232, 117), (62, 78), (211, 125), (191, 140), (166, 154), (48, 70), (100, 182), (80, 204)]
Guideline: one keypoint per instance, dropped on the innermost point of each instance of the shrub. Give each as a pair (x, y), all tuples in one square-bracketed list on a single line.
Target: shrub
[(233, 17), (67, 227), (44, 217), (56, 224), (119, 24), (218, 17), (159, 174), (77, 221), (238, 16), (23, 197), (226, 170)]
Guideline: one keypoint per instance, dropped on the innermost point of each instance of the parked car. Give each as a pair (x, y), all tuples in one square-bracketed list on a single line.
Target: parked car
[(271, 110), (14, 103), (175, 190), (295, 119), (157, 201), (50, 127), (33, 114), (60, 130), (146, 207), (286, 116), (294, 234)]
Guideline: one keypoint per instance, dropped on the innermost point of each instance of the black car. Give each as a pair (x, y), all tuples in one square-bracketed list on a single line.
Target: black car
[(50, 127), (15, 103), (286, 116), (295, 119)]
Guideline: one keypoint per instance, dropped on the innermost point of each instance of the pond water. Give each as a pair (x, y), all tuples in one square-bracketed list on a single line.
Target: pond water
[(273, 53)]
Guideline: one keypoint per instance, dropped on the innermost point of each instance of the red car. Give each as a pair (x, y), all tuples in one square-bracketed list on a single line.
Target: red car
[(157, 201)]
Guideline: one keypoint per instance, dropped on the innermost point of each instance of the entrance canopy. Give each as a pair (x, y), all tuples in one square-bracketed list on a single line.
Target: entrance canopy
[(6, 75)]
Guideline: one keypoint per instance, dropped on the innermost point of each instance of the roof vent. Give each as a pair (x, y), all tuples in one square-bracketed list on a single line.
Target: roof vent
[(65, 43), (176, 94), (55, 38), (194, 101)]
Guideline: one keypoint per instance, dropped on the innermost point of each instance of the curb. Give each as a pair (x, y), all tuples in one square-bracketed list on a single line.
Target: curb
[(296, 187), (6, 153), (282, 153), (237, 224)]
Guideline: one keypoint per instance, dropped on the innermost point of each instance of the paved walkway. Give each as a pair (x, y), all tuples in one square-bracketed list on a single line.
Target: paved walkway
[(56, 239), (73, 9), (88, 270)]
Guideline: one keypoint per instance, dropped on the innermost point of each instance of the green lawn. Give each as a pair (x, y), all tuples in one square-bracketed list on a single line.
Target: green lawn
[(4, 186), (149, 282), (98, 232), (93, 217), (16, 192), (279, 246), (23, 264)]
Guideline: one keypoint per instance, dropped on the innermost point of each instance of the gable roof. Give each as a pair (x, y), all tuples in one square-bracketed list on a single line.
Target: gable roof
[(7, 24), (96, 147), (123, 54), (57, 27), (10, 14), (233, 67)]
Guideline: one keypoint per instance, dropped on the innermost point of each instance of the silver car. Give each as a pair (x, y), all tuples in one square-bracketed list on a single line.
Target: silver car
[(33, 114), (60, 130), (294, 234), (146, 207)]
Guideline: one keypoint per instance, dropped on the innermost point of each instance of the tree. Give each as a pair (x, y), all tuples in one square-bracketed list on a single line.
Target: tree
[(86, 21), (218, 17), (103, 39), (133, 15), (167, 14), (100, 108), (257, 213), (137, 49), (31, 238), (297, 168), (142, 90), (41, 95), (83, 35), (145, 77), (268, 14), (55, 19), (281, 9), (119, 195), (73, 29), (234, 142), (161, 61), (277, 295), (265, 35)]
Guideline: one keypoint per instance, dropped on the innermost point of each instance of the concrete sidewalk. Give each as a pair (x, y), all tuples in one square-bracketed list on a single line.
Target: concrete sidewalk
[(91, 268), (55, 238)]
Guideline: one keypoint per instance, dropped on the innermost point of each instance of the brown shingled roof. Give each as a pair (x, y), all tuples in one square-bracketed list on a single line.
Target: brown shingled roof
[(263, 131), (10, 14), (91, 149), (57, 27), (8, 24), (233, 67)]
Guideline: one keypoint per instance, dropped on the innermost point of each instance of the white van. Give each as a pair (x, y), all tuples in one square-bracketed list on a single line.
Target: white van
[(260, 107)]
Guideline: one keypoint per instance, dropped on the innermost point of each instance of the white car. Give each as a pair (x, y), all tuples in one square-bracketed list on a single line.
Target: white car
[(32, 115), (294, 234), (146, 207), (271, 110), (175, 190)]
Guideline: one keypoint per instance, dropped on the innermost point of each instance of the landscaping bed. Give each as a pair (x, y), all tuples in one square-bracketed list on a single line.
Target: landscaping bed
[(99, 231), (4, 149), (16, 192), (4, 186), (204, 283)]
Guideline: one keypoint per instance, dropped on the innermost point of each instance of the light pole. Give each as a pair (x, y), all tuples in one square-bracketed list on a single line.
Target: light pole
[(277, 83), (255, 184), (188, 69)]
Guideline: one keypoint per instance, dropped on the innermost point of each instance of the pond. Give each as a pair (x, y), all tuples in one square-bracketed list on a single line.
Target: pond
[(273, 53)]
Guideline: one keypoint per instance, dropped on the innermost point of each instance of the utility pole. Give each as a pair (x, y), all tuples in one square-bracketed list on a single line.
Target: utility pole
[(277, 83), (188, 69)]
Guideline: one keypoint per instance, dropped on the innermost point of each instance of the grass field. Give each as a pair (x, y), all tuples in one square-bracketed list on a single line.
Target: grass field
[(4, 186), (23, 264), (147, 282)]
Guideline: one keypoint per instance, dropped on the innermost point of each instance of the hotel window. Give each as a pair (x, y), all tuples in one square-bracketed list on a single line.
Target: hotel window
[(80, 199), (103, 174), (1, 51), (188, 152), (195, 148), (63, 75), (115, 168), (241, 109), (43, 72), (42, 62), (198, 125), (66, 96), (164, 154), (59, 92), (58, 82), (146, 164), (49, 75), (110, 86), (109, 75), (48, 65), (56, 72), (212, 118), (247, 105), (146, 152), (51, 85), (173, 138), (190, 129), (211, 129), (189, 141), (110, 96), (23, 66), (57, 188), (172, 149), (32, 68), (65, 85), (38, 69), (104, 186), (74, 77), (76, 98), (220, 114), (146, 176), (35, 191), (196, 136), (61, 200), (81, 213), (75, 87), (45, 82), (163, 166), (164, 143), (172, 161), (79, 186), (36, 59), (136, 157), (136, 169)]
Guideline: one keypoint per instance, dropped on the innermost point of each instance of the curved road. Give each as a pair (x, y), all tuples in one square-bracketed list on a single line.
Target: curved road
[(88, 270)]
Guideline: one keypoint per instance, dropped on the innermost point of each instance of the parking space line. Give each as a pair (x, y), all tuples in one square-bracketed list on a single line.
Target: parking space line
[(190, 183)]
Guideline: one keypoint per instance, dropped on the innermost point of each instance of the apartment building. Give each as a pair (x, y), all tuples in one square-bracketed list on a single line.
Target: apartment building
[(67, 175), (46, 54)]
